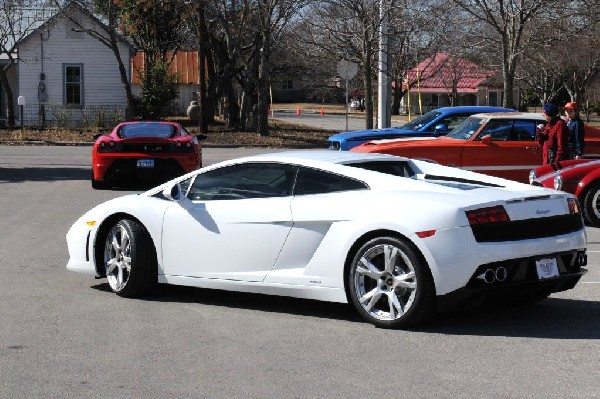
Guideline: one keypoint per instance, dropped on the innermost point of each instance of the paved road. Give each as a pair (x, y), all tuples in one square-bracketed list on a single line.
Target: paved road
[(64, 335), (336, 123)]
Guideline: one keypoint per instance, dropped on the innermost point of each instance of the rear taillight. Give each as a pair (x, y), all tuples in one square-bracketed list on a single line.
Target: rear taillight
[(493, 214), (187, 144), (184, 146), (107, 146), (574, 208)]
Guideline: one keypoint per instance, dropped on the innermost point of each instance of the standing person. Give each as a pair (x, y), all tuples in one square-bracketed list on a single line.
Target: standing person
[(555, 137), (576, 130)]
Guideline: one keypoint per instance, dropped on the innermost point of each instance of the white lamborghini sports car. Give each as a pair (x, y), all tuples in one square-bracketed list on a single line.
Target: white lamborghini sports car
[(398, 238)]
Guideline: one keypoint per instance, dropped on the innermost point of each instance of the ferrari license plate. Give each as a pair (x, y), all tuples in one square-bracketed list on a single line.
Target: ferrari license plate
[(145, 163), (546, 268)]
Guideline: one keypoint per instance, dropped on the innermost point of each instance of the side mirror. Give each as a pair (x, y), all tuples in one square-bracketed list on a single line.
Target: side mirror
[(201, 137), (173, 192), (98, 135), (487, 139)]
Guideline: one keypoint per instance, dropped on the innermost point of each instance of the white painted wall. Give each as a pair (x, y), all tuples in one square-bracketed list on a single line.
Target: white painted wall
[(101, 79)]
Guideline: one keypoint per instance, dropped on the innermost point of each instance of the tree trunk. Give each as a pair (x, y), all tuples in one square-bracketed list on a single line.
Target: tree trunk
[(508, 68), (368, 90), (263, 87), (10, 101)]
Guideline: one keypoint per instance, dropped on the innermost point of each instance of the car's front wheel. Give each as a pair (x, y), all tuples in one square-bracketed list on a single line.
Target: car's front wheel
[(129, 259), (591, 205), (390, 284)]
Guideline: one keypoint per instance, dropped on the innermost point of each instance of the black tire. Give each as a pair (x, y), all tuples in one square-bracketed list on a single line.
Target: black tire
[(406, 283), (99, 185), (130, 259), (591, 205)]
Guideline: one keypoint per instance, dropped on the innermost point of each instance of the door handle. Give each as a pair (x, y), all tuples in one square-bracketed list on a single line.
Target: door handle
[(531, 148)]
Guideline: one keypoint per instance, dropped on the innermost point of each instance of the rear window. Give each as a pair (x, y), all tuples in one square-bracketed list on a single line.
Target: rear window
[(395, 168), (160, 130)]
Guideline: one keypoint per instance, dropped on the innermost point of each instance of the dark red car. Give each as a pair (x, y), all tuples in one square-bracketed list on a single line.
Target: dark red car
[(580, 177), (141, 151)]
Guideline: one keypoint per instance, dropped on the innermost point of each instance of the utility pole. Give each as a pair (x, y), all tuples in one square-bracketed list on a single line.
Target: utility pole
[(202, 117), (384, 116)]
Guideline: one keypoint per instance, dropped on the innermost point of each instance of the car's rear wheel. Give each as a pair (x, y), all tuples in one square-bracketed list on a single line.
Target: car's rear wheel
[(390, 284), (591, 205), (99, 185), (129, 259)]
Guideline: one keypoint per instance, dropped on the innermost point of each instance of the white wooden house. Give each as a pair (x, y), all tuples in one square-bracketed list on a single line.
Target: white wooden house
[(66, 75)]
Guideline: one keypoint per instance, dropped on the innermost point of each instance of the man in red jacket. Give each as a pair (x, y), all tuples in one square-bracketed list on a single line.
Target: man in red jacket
[(555, 136)]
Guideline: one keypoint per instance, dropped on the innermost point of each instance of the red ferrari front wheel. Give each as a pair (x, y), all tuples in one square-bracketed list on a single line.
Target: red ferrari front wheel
[(591, 205)]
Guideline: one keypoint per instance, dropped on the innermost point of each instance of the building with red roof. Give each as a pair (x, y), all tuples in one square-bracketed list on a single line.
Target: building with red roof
[(443, 80)]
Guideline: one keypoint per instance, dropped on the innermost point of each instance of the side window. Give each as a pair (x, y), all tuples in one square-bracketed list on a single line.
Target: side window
[(244, 181), (73, 84), (499, 129), (313, 181), (524, 130)]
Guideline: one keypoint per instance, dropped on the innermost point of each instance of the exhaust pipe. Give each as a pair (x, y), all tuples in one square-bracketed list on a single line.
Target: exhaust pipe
[(490, 275), (501, 274)]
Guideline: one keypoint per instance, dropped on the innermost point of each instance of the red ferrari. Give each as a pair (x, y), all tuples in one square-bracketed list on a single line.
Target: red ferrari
[(580, 177), (141, 151)]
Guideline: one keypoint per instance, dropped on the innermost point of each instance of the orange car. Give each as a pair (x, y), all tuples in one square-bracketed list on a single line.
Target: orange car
[(496, 144)]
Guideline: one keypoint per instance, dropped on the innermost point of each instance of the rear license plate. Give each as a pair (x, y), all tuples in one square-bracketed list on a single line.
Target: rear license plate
[(145, 163), (546, 268)]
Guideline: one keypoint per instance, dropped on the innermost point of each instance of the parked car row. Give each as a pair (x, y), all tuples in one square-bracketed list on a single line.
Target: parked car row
[(437, 122), (497, 144)]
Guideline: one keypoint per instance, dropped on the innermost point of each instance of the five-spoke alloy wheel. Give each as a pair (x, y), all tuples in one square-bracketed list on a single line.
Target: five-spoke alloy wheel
[(129, 259), (390, 285)]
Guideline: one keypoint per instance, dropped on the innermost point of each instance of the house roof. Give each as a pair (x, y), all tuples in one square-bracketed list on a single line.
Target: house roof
[(53, 14), (441, 72)]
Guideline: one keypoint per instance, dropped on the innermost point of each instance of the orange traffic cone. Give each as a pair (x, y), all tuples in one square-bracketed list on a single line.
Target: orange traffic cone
[(322, 111), (297, 110)]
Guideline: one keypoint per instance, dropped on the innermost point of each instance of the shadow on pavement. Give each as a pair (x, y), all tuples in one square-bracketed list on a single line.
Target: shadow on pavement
[(553, 318), (46, 173)]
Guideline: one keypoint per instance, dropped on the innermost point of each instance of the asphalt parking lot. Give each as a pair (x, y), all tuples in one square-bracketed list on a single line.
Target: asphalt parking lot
[(65, 335)]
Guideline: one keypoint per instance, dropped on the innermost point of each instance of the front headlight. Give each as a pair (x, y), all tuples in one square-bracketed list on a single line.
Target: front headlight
[(532, 176), (558, 182)]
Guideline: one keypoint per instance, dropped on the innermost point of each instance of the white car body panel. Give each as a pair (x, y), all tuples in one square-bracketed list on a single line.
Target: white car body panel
[(243, 244), (298, 246)]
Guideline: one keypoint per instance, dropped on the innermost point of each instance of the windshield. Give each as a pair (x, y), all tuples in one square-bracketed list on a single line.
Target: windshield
[(465, 130), (421, 120)]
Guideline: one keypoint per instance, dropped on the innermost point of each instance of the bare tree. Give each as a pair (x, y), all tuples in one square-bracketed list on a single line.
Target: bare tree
[(18, 19), (503, 25), (242, 36), (567, 55), (348, 29)]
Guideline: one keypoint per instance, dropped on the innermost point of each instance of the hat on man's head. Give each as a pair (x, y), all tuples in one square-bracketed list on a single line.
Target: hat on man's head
[(550, 109), (571, 105)]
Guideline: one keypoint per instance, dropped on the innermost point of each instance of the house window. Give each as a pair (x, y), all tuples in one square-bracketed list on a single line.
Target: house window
[(288, 84), (73, 84)]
